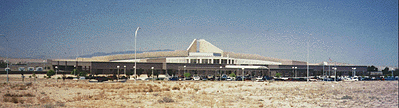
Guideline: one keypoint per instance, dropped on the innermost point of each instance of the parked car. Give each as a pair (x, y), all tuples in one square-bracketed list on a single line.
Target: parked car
[(267, 78), (204, 78), (259, 79), (239, 78), (224, 77), (173, 79), (196, 78)]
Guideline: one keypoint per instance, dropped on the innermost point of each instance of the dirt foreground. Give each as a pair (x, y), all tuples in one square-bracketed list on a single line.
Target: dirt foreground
[(47, 93)]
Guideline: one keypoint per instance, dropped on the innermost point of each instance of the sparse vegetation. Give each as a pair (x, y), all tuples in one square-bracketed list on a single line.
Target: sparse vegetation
[(50, 73), (166, 100), (346, 97), (232, 75), (47, 93), (175, 88), (278, 75), (187, 75)]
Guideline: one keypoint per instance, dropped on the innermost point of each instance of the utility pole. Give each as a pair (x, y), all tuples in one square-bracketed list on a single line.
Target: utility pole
[(135, 55)]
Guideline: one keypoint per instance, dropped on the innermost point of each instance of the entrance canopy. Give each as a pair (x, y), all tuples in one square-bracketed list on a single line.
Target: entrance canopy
[(246, 67)]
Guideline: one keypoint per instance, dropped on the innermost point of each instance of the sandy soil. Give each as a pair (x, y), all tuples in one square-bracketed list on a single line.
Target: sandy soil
[(69, 93)]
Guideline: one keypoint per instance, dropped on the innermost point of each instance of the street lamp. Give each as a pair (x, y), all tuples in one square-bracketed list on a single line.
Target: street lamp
[(135, 77), (335, 72), (220, 73), (74, 70), (124, 70), (117, 77), (184, 71), (294, 68), (152, 73), (307, 62), (354, 72), (242, 78), (135, 55), (56, 71)]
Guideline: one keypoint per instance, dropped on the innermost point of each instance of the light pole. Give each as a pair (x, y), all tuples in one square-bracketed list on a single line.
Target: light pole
[(7, 69), (152, 73), (307, 62), (74, 70), (329, 71), (135, 55), (117, 76), (354, 72), (184, 71), (135, 77), (124, 70), (56, 71), (220, 73), (294, 68), (335, 73), (243, 74)]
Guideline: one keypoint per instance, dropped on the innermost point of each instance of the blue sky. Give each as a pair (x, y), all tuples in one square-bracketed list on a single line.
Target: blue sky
[(361, 32)]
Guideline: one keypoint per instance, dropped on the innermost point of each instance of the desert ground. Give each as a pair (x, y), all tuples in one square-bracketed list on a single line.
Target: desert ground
[(49, 94)]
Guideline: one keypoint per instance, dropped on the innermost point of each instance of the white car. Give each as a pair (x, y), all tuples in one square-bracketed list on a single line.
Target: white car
[(196, 78)]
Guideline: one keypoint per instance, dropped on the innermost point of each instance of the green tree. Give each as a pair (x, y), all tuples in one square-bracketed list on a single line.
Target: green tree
[(386, 71), (74, 71), (50, 73), (372, 68), (233, 75), (82, 73), (187, 75), (34, 75), (278, 74), (3, 64)]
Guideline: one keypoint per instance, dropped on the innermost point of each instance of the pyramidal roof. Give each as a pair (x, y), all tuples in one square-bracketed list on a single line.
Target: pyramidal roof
[(204, 46)]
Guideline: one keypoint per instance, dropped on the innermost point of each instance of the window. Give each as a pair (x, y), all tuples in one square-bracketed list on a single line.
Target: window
[(224, 61), (205, 61), (215, 61), (193, 60)]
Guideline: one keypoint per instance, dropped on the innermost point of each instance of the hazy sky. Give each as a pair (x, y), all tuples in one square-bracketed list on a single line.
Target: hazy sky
[(363, 32)]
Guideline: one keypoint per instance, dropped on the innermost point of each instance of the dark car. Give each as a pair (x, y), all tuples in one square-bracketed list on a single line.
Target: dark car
[(174, 79), (249, 78), (267, 78), (101, 79), (239, 78), (224, 77), (204, 78)]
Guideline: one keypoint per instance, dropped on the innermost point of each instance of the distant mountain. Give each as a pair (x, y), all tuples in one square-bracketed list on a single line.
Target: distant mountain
[(119, 52)]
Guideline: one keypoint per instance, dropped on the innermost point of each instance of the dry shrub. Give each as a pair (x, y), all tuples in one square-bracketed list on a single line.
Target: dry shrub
[(49, 105), (84, 97), (150, 90), (44, 99), (136, 102), (346, 97), (166, 100), (18, 95), (175, 88), (13, 100), (165, 89)]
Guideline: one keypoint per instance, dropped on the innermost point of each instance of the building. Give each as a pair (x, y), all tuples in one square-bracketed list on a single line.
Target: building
[(202, 58)]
